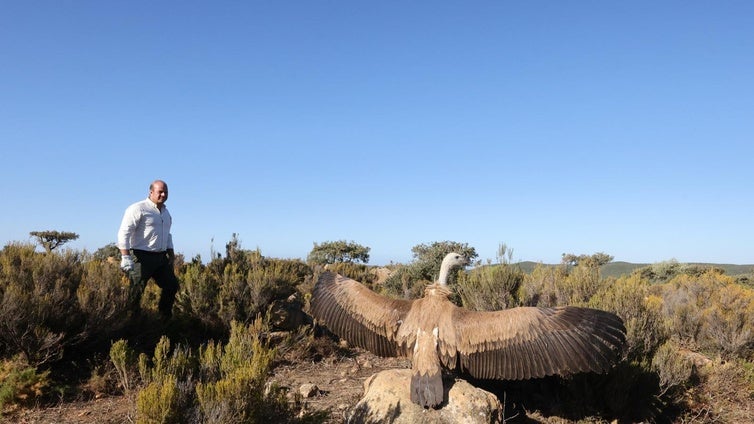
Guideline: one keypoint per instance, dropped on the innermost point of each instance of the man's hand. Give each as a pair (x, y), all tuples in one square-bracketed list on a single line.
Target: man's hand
[(126, 263)]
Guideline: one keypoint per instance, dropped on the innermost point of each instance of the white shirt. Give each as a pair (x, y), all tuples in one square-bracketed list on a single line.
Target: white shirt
[(145, 227)]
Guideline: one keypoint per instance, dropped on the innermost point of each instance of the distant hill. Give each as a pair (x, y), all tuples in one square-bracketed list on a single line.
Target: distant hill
[(618, 268)]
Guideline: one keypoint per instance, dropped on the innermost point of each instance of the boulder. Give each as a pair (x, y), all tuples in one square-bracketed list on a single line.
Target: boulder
[(386, 400)]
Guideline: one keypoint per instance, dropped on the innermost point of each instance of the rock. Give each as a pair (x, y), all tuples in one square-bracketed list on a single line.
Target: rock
[(308, 390), (386, 400)]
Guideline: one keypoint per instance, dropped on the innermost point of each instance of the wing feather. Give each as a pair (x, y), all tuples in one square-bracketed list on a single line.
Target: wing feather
[(527, 342), (357, 314)]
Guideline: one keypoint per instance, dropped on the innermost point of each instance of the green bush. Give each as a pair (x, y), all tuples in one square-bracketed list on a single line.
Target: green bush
[(167, 396), (580, 284), (710, 312), (540, 287), (247, 291), (234, 376), (491, 287), (675, 370), (39, 311), (408, 281), (199, 294), (238, 287), (159, 403), (102, 298), (123, 359), (630, 298), (223, 383), (729, 322), (21, 383)]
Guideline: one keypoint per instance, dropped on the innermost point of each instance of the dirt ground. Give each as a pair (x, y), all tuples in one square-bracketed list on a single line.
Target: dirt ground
[(339, 380), (107, 410)]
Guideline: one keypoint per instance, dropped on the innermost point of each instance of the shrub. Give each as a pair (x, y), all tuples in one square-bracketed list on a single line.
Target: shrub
[(675, 370), (491, 287), (729, 321), (123, 359), (725, 394), (580, 284), (234, 376), (167, 396), (408, 281), (711, 312), (248, 288), (630, 298), (39, 314), (238, 287), (158, 402), (540, 287), (199, 295), (224, 383), (20, 383), (102, 298)]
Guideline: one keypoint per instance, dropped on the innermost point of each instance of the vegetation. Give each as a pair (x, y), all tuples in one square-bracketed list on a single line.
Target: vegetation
[(341, 251), (65, 332), (408, 281), (50, 239)]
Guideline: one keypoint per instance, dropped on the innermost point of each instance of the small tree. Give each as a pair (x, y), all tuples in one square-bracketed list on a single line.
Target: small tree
[(331, 252), (408, 281), (51, 239), (428, 257), (598, 259)]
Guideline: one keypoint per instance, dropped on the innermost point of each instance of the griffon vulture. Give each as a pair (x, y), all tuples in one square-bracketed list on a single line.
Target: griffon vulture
[(512, 344)]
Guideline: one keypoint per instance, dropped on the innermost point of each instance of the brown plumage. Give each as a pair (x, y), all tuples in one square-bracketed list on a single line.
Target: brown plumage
[(512, 344)]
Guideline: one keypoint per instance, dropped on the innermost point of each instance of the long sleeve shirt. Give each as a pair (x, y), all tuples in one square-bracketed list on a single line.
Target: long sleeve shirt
[(145, 227)]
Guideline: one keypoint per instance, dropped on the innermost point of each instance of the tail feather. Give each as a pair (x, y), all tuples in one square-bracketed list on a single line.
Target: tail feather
[(426, 389)]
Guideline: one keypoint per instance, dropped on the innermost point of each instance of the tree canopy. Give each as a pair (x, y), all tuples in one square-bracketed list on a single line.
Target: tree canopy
[(331, 252), (430, 256), (597, 259), (50, 239)]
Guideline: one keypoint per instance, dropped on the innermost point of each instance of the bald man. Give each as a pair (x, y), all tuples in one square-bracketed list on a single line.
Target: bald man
[(146, 247)]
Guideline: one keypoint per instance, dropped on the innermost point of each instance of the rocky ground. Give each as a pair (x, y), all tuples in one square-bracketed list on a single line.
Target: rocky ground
[(339, 381)]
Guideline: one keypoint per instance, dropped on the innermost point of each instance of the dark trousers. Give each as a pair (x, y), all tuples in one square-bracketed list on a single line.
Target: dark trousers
[(155, 265)]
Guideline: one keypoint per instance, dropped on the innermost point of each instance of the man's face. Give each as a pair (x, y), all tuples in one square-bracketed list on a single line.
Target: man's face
[(159, 193)]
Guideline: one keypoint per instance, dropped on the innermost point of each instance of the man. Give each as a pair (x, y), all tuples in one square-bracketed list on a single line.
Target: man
[(146, 248)]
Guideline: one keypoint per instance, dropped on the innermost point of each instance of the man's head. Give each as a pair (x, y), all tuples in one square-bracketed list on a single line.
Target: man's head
[(158, 192)]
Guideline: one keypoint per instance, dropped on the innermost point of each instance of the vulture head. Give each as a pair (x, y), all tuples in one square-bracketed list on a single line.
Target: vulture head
[(450, 261), (512, 344)]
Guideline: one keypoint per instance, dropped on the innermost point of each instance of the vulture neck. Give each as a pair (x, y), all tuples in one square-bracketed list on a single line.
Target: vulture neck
[(444, 272), (440, 288)]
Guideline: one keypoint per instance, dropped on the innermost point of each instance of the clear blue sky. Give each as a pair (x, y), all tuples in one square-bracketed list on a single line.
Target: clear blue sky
[(554, 127)]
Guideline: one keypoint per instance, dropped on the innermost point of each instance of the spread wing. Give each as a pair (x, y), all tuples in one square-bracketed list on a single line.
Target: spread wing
[(357, 314), (528, 342)]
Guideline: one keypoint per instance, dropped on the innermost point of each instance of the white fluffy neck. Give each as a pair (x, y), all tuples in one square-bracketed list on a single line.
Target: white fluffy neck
[(444, 272)]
